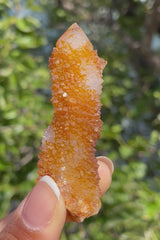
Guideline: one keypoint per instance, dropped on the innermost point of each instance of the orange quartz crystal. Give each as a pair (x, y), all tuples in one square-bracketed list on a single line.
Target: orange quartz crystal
[(68, 144)]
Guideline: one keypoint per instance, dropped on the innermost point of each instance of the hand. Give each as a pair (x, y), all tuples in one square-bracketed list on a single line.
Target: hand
[(42, 214)]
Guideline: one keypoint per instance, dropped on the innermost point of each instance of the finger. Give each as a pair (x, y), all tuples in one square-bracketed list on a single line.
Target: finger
[(105, 172), (40, 216), (3, 222)]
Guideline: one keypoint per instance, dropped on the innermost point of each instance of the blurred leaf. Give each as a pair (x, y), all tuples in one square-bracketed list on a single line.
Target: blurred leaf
[(154, 137), (126, 151), (27, 24), (26, 42), (5, 72)]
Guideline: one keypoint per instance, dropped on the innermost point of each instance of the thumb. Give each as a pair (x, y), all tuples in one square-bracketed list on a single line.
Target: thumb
[(40, 216)]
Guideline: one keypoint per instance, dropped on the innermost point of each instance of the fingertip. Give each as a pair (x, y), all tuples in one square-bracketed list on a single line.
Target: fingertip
[(39, 207), (107, 161), (105, 171), (41, 215)]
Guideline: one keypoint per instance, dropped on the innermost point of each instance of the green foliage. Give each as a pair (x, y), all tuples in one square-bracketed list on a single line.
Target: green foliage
[(22, 119), (130, 108)]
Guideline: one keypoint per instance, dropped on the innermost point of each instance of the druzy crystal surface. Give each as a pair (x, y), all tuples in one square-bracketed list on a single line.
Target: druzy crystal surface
[(68, 144)]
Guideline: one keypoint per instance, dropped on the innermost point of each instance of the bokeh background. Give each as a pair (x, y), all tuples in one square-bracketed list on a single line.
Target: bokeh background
[(127, 34)]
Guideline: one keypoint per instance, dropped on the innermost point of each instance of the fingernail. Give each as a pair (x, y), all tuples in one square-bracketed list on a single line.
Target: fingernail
[(108, 162), (40, 205)]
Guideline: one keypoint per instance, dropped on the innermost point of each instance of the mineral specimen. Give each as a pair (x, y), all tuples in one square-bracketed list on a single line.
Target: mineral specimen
[(68, 144)]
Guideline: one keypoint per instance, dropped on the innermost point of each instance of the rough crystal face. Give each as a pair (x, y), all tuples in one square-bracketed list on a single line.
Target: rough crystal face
[(68, 145)]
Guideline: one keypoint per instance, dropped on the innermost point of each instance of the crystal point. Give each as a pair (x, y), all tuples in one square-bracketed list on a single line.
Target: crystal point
[(68, 146)]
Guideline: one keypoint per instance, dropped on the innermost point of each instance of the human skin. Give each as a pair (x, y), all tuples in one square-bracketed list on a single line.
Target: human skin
[(42, 214)]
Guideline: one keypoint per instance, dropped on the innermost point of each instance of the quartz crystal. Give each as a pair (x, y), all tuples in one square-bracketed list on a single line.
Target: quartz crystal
[(68, 145)]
